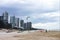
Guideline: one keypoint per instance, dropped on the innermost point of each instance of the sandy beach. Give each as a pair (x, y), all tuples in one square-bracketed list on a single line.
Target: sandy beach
[(31, 35)]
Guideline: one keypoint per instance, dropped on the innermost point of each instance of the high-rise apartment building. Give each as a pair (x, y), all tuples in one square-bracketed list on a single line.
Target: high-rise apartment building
[(17, 22), (12, 21), (28, 25), (21, 23), (25, 26), (1, 18), (5, 17)]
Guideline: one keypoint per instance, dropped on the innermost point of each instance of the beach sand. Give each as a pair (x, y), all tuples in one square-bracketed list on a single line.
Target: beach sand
[(37, 35)]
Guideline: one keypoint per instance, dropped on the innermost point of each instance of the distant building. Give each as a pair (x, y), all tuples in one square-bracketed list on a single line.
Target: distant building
[(21, 23), (12, 21), (29, 25), (17, 22), (25, 26), (5, 17), (1, 17)]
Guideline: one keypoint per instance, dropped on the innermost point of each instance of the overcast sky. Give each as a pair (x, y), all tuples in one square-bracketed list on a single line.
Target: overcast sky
[(43, 13)]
